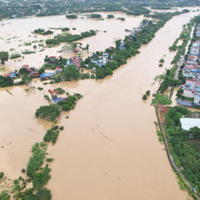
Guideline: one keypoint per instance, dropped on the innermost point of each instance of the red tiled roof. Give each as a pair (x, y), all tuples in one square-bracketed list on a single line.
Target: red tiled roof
[(25, 66), (186, 89), (5, 75), (52, 92)]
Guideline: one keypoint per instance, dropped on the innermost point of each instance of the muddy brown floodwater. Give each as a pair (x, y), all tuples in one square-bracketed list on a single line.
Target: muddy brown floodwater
[(109, 148)]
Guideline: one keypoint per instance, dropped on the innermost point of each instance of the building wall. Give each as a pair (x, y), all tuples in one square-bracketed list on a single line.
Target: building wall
[(188, 93), (196, 100)]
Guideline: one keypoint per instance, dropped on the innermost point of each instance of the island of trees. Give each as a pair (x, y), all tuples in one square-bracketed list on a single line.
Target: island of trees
[(71, 16), (42, 31)]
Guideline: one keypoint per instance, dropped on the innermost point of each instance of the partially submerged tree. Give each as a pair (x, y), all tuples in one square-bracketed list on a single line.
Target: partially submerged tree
[(26, 79), (4, 56)]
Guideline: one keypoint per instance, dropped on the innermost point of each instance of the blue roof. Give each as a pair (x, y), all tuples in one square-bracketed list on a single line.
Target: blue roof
[(12, 76), (52, 73), (184, 102), (56, 100), (44, 75), (192, 54)]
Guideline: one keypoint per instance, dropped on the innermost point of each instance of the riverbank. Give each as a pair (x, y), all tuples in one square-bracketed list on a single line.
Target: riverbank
[(100, 146), (174, 142)]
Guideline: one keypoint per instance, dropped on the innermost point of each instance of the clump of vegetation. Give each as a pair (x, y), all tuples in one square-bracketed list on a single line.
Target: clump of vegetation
[(164, 100), (6, 81), (71, 16), (48, 112), (74, 28), (23, 170), (35, 161), (35, 146), (148, 92), (161, 60), (160, 65), (65, 29), (28, 52), (4, 195), (1, 175), (43, 32), (51, 135), (173, 47), (144, 97), (49, 159), (121, 18), (16, 55), (60, 91), (39, 88), (46, 97), (95, 16), (61, 128), (110, 16), (4, 55), (41, 179)]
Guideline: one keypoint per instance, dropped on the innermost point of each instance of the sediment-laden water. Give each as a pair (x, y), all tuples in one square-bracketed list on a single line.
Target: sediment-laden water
[(109, 148)]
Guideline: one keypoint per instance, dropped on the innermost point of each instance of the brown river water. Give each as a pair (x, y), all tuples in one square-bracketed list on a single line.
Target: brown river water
[(109, 148)]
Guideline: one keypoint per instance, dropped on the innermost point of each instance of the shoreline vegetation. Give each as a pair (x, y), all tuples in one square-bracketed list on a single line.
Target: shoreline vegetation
[(183, 154), (68, 37), (117, 56), (38, 171)]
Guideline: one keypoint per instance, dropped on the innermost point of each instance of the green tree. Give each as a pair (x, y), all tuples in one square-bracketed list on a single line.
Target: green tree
[(71, 71), (108, 71), (41, 70), (26, 79), (48, 112), (87, 47), (23, 71), (65, 107), (144, 97), (161, 60), (195, 131), (148, 92), (4, 195), (44, 194), (4, 56)]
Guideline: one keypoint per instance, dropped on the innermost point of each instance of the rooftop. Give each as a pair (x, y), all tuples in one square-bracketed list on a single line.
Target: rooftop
[(187, 123)]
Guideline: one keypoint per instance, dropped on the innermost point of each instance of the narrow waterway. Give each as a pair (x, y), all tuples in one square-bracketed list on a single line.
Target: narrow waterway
[(109, 148)]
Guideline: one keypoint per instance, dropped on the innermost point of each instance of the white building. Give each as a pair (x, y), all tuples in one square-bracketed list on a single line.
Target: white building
[(187, 123)]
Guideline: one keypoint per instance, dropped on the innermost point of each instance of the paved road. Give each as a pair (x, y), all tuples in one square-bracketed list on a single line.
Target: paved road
[(180, 62)]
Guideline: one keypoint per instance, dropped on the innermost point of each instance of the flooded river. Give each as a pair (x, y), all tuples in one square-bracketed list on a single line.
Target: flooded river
[(109, 148)]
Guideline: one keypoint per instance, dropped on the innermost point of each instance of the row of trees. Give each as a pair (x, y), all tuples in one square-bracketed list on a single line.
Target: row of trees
[(185, 154), (42, 31), (67, 37)]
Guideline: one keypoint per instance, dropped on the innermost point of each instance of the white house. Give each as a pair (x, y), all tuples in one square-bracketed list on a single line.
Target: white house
[(187, 123)]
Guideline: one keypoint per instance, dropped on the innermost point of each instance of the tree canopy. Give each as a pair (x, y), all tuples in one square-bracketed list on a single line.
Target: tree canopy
[(48, 112), (4, 56)]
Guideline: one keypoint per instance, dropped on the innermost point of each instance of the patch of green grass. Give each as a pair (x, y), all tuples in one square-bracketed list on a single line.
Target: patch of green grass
[(164, 100), (28, 52), (196, 146)]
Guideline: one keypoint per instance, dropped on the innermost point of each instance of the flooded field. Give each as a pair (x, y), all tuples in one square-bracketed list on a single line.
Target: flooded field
[(109, 148)]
